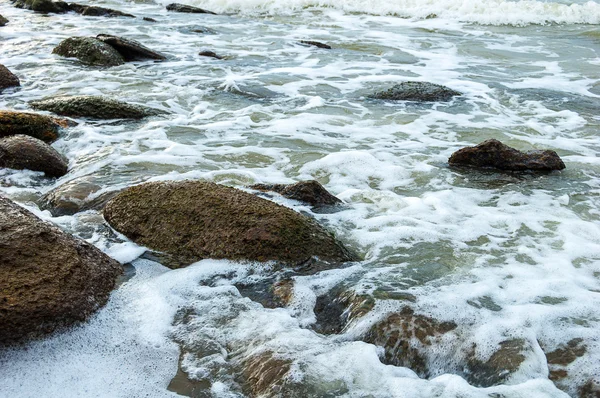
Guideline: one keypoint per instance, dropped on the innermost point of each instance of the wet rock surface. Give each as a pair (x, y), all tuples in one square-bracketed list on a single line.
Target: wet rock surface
[(49, 279), (494, 154), (335, 310), (43, 127), (210, 54), (90, 51), (315, 44), (7, 78), (95, 11), (200, 219), (45, 6), (75, 196), (3, 21), (25, 152), (504, 362), (130, 50), (559, 360), (177, 7), (311, 192), (417, 91), (94, 107), (404, 337)]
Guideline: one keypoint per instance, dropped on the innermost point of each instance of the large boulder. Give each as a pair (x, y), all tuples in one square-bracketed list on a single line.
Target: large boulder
[(90, 51), (3, 21), (494, 154), (95, 11), (417, 91), (130, 50), (200, 219), (95, 107), (25, 152), (310, 192), (48, 279), (45, 6), (177, 7), (42, 127), (7, 78)]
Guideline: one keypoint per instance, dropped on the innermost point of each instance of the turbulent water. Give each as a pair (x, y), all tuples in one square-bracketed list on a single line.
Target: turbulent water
[(504, 256)]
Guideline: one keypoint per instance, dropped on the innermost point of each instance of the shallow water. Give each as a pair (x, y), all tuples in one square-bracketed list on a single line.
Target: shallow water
[(505, 256)]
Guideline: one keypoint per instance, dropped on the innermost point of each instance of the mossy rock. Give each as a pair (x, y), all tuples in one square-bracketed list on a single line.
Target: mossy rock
[(417, 91), (24, 152), (48, 279), (90, 51), (94, 107), (200, 219), (42, 127)]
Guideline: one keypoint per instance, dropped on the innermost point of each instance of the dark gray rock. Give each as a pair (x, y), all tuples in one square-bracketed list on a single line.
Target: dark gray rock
[(417, 91), (48, 279), (210, 54), (315, 44), (7, 78), (3, 21), (148, 19), (89, 51), (24, 152), (176, 7), (95, 107), (494, 154), (130, 50), (311, 192), (95, 11), (45, 6)]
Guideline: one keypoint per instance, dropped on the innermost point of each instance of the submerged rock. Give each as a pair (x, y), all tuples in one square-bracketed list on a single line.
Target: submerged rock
[(3, 21), (43, 127), (74, 196), (264, 374), (405, 336), (177, 7), (130, 50), (315, 44), (46, 6), (89, 51), (7, 78), (25, 152), (559, 361), (335, 310), (417, 91), (311, 192), (499, 367), (95, 11), (200, 219), (95, 107), (494, 154), (49, 279)]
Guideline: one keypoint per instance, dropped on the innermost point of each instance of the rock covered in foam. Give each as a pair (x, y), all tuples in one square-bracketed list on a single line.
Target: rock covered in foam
[(311, 192), (92, 106), (130, 50), (199, 219), (25, 152), (417, 91), (90, 51), (43, 127), (494, 154), (7, 78), (49, 279)]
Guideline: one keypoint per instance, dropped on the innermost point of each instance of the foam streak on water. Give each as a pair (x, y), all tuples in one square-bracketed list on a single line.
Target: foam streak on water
[(503, 256)]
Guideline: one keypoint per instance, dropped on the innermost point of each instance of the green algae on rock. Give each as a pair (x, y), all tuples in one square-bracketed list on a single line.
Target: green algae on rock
[(94, 107), (201, 219), (25, 152), (90, 51), (48, 279), (42, 127)]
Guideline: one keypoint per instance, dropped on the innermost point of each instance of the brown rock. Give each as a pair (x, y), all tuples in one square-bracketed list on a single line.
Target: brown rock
[(501, 365), (45, 6), (7, 78), (94, 11), (38, 126), (176, 7), (75, 196), (494, 154), (310, 192), (24, 152), (90, 51), (591, 389), (49, 279), (130, 50), (200, 219), (3, 21), (264, 374), (210, 54)]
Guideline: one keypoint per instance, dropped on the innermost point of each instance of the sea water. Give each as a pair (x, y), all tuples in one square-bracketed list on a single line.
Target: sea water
[(504, 256)]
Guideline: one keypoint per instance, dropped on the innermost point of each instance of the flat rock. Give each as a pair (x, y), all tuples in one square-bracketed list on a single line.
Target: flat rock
[(494, 154), (130, 50), (311, 192), (45, 6), (95, 11), (315, 44), (90, 51), (24, 152), (200, 219), (417, 91), (7, 78), (3, 21), (95, 107), (49, 279), (177, 7), (43, 127)]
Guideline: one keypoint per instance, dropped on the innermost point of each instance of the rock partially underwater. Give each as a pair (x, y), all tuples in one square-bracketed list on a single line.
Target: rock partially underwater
[(25, 152), (48, 279), (417, 91), (89, 50), (3, 21), (494, 154), (177, 7), (7, 78), (42, 127), (311, 192), (45, 6), (130, 50), (195, 220), (94, 107)]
